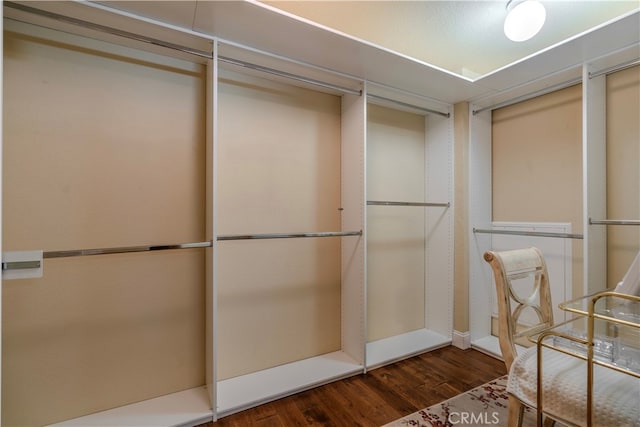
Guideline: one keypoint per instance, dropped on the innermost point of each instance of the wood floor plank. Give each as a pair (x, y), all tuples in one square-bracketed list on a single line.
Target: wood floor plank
[(377, 397), (367, 406), (397, 403), (290, 413), (315, 412), (333, 398)]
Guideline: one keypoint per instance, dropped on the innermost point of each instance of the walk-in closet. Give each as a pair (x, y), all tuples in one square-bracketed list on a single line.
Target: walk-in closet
[(210, 205)]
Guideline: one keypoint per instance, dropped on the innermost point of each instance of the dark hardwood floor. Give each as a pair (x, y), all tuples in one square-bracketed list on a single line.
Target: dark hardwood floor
[(378, 397)]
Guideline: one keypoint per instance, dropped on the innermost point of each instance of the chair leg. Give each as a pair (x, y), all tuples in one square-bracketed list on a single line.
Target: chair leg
[(516, 412), (548, 422)]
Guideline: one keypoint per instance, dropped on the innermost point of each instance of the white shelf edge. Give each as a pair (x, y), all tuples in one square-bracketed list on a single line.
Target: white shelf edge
[(246, 391), (398, 347), (489, 345), (185, 408)]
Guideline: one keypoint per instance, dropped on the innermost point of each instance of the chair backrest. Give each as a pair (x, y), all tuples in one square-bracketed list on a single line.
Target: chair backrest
[(509, 266)]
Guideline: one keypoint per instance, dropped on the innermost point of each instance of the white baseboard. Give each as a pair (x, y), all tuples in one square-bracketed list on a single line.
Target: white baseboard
[(461, 339)]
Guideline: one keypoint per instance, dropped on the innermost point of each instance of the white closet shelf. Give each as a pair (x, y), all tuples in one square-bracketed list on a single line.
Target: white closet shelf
[(397, 347), (488, 345), (246, 391), (185, 408)]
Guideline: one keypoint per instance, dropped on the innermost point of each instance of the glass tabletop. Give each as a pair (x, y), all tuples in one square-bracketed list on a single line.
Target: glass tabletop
[(614, 345), (608, 305)]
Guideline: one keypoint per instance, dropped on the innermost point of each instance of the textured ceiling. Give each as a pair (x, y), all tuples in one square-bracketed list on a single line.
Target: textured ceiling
[(464, 37)]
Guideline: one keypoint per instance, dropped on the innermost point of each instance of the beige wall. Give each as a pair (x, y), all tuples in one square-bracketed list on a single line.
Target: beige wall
[(461, 227), (537, 164), (537, 159), (395, 235), (279, 172), (100, 150), (623, 170)]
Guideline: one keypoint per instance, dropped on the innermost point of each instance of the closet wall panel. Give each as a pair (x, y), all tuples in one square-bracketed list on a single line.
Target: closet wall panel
[(101, 149), (396, 248), (623, 174), (278, 172), (537, 164)]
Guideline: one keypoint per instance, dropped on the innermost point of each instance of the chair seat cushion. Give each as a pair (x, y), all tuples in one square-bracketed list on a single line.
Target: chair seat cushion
[(616, 400)]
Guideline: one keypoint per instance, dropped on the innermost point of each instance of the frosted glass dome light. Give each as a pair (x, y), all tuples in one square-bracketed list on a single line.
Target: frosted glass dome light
[(524, 19)]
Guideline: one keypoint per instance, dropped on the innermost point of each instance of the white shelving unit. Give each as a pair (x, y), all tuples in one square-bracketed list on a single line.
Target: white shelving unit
[(250, 389), (429, 265)]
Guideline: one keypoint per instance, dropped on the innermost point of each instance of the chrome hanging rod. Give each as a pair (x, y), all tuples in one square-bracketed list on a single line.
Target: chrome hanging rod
[(287, 235), (288, 75), (123, 250), (193, 245), (385, 203), (404, 104), (531, 95), (529, 233), (108, 30), (615, 68), (613, 222)]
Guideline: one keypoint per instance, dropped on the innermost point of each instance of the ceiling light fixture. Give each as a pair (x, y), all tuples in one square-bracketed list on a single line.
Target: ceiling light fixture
[(524, 19)]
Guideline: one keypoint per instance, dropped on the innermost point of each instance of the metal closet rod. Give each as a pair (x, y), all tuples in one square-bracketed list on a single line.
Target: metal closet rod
[(542, 91), (529, 233), (614, 222), (558, 86), (404, 104), (205, 244), (288, 75), (123, 250), (108, 30), (385, 203), (615, 68), (287, 235)]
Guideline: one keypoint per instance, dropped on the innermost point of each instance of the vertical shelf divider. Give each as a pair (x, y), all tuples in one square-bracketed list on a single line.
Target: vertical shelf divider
[(439, 225), (594, 180), (480, 215), (211, 253), (353, 218)]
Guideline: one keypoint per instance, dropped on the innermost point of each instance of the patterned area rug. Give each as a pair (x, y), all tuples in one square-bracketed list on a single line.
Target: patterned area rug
[(485, 405)]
